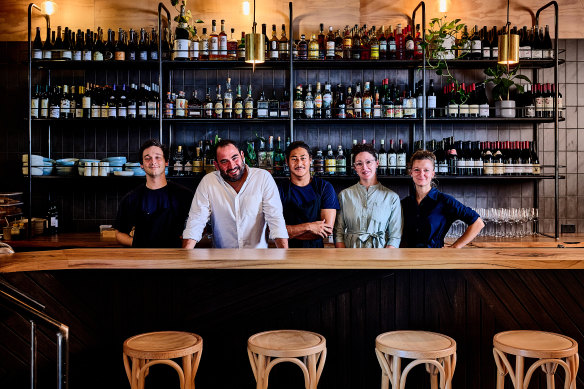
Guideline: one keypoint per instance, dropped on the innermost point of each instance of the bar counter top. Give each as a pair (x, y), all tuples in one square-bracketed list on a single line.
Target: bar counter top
[(476, 258)]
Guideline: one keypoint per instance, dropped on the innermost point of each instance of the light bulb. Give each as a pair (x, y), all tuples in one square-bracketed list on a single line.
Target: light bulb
[(245, 7), (443, 5), (48, 7)]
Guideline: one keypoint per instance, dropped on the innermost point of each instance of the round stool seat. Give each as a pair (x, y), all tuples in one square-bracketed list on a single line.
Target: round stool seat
[(286, 343), (415, 344), (162, 345), (535, 344)]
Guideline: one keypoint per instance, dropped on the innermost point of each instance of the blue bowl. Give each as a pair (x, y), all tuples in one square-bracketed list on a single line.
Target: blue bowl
[(66, 162)]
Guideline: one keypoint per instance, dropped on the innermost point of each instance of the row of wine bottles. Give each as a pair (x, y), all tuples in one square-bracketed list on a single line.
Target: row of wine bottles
[(453, 158), (94, 101), (353, 43), (90, 46)]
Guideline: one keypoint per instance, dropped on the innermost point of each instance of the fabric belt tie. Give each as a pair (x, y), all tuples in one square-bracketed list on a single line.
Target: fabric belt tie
[(364, 236)]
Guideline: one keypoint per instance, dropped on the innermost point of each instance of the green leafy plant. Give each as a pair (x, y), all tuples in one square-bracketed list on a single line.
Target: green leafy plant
[(503, 80), (439, 31), (187, 17)]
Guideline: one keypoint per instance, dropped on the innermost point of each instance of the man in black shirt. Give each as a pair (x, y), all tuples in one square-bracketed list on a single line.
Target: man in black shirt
[(157, 210)]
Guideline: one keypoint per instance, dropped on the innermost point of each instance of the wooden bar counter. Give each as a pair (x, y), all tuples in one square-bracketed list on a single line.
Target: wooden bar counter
[(479, 258), (106, 295)]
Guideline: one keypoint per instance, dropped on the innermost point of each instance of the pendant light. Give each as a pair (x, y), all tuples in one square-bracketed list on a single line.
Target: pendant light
[(255, 44), (508, 45)]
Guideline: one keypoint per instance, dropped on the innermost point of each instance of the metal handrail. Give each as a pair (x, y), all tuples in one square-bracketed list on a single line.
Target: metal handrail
[(160, 8), (31, 313)]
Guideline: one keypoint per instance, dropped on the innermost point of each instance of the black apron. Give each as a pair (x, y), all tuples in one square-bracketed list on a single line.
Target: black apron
[(156, 230), (304, 213)]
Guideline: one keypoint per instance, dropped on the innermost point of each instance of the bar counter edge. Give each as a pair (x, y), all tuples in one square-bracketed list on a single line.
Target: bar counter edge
[(484, 258)]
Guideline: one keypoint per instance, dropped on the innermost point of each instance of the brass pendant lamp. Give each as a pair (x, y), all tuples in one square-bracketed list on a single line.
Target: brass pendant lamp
[(508, 45), (255, 44)]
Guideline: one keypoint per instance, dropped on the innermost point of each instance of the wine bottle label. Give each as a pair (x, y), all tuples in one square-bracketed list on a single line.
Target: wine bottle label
[(473, 110), (463, 110), (536, 169), (181, 107), (223, 45), (536, 53), (104, 111), (238, 108), (54, 221), (431, 102), (382, 160), (177, 167), (401, 161), (97, 56), (205, 47), (143, 55), (112, 112), (398, 112), (87, 55), (486, 52), (65, 106), (388, 111), (66, 54), (95, 111), (309, 108), (86, 102), (181, 48), (77, 55), (484, 110), (154, 55), (214, 45), (34, 107), (367, 107), (488, 168), (218, 109), (298, 104), (37, 54), (44, 112), (249, 109), (283, 48), (476, 46), (461, 164), (499, 168), (509, 168), (525, 52), (443, 167), (122, 111), (375, 52), (548, 103), (194, 50), (341, 114), (54, 111), (530, 111), (198, 166), (330, 49), (409, 45)]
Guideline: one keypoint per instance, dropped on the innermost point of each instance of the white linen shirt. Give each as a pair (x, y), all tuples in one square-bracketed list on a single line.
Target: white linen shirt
[(239, 219)]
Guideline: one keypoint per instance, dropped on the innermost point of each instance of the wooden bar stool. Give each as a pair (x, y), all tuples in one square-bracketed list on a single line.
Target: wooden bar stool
[(550, 349), (436, 351), (267, 349), (160, 348)]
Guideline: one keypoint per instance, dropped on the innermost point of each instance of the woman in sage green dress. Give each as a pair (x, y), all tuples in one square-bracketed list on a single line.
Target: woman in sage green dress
[(370, 214)]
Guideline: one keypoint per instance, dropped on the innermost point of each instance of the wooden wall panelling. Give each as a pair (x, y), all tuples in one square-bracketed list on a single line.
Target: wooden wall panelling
[(308, 14)]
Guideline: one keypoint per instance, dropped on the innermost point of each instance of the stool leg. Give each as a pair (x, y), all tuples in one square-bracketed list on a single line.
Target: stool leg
[(519, 373), (384, 362), (396, 371), (433, 371), (501, 368), (311, 372), (550, 370), (573, 362), (449, 366), (187, 370)]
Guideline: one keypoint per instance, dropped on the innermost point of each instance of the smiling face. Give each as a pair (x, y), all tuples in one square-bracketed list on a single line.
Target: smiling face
[(299, 162), (422, 172), (366, 165), (230, 163), (153, 161)]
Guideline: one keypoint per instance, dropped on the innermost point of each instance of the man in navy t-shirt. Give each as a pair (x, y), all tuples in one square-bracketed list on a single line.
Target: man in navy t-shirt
[(154, 214), (310, 203)]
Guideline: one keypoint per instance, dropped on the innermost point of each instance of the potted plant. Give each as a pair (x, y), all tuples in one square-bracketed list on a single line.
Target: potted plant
[(441, 45), (504, 80)]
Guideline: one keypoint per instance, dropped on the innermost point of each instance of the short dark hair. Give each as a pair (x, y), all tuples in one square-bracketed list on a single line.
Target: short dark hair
[(226, 142), (150, 143), (295, 145), (364, 148)]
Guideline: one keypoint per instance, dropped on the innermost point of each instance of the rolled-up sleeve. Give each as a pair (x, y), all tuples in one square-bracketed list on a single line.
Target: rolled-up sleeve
[(272, 208), (339, 229), (198, 214), (395, 225)]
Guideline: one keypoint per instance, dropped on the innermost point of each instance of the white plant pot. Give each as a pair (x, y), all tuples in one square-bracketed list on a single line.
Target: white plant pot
[(505, 109), (447, 44)]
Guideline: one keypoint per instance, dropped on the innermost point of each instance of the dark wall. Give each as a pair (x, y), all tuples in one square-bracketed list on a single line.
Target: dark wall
[(349, 307)]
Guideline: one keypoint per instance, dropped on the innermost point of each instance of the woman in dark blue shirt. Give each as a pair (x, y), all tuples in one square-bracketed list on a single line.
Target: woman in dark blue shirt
[(428, 214)]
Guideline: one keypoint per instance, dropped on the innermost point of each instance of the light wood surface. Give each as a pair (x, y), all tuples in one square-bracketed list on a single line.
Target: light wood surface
[(267, 349), (66, 240), (163, 345), (415, 344), (566, 240), (286, 343), (436, 351), (551, 350), (142, 351), (535, 344), (307, 14), (527, 258)]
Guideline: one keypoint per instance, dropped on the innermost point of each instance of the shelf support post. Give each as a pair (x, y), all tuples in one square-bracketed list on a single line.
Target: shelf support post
[(556, 118), (160, 8), (424, 102)]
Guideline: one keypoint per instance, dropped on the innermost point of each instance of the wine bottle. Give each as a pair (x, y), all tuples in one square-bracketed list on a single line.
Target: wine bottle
[(37, 46), (48, 46), (486, 44), (132, 46), (547, 49), (401, 159), (67, 53), (382, 157), (476, 44)]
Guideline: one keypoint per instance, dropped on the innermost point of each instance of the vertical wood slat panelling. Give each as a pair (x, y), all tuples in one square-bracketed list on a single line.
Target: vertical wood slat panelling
[(350, 308)]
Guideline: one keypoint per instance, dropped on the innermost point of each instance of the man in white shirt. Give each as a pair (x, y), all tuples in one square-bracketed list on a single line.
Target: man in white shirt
[(240, 201)]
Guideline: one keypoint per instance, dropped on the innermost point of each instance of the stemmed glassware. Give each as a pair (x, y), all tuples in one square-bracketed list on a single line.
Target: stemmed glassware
[(502, 223)]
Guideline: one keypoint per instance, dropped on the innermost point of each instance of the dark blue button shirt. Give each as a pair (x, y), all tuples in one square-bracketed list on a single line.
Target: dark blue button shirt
[(426, 225)]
